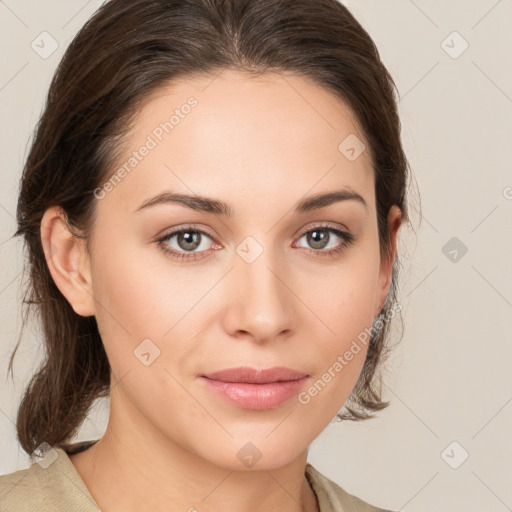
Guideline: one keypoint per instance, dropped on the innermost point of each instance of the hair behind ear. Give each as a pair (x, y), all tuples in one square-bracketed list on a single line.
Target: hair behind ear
[(74, 372)]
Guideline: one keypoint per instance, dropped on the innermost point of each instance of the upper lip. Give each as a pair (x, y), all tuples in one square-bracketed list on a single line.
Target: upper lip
[(256, 376)]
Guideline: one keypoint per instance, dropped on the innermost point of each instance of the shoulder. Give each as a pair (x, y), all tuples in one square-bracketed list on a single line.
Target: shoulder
[(52, 484), (332, 498)]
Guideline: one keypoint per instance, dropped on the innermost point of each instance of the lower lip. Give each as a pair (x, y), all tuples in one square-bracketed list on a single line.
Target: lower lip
[(256, 396)]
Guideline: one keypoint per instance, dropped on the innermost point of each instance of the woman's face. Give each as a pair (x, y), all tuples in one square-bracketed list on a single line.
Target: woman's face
[(269, 284)]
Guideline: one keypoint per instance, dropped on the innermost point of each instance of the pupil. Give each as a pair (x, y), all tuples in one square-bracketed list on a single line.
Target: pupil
[(319, 237), (190, 238)]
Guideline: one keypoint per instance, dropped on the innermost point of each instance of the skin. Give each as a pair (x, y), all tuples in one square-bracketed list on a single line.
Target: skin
[(261, 145)]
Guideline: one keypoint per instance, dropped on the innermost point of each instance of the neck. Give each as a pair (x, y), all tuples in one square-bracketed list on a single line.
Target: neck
[(151, 471)]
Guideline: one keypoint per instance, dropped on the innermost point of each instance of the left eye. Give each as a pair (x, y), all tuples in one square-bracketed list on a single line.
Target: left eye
[(318, 238)]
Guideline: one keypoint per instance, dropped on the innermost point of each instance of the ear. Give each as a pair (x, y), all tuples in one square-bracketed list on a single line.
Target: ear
[(68, 261), (386, 266)]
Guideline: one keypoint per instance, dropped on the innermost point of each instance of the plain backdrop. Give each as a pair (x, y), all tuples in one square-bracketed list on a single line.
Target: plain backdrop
[(444, 443)]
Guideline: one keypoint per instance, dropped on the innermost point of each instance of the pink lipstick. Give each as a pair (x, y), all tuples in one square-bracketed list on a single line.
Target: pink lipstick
[(250, 388)]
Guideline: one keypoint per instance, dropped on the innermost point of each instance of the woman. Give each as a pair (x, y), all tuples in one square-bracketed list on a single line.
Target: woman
[(211, 207)]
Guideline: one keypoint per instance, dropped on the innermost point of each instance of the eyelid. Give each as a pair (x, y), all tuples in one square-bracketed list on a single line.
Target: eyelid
[(323, 225), (189, 227)]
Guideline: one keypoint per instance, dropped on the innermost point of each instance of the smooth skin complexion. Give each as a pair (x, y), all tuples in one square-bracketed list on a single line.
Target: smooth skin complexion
[(262, 145)]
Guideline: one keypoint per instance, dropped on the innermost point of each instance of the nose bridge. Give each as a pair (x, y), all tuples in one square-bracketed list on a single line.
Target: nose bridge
[(263, 304)]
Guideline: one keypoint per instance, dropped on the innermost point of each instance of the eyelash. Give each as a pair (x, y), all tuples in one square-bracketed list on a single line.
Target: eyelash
[(347, 238)]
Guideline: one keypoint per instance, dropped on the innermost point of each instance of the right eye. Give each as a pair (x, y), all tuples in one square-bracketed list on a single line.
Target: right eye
[(187, 240)]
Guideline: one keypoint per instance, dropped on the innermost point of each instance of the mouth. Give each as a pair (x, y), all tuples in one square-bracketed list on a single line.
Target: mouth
[(250, 388), (249, 375)]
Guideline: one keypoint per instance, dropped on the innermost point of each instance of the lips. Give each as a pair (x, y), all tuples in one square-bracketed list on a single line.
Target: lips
[(256, 376), (250, 388)]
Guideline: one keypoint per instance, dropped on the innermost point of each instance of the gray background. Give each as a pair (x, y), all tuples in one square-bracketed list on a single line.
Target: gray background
[(449, 378)]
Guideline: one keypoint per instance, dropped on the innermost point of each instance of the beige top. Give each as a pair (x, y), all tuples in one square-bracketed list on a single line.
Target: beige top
[(54, 485)]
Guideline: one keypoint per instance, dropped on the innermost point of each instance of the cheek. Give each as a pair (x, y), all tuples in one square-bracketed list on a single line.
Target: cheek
[(137, 299), (341, 352), (343, 300), (344, 296), (124, 297)]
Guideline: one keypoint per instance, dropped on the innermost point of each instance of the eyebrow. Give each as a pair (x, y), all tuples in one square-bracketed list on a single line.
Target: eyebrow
[(209, 205)]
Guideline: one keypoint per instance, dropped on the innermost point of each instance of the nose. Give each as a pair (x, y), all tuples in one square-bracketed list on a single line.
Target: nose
[(261, 304)]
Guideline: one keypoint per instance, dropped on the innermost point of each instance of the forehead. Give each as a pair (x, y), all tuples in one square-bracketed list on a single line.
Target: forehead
[(233, 133)]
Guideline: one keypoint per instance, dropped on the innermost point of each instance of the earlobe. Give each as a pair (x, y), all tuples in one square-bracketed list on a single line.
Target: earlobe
[(386, 268), (67, 261)]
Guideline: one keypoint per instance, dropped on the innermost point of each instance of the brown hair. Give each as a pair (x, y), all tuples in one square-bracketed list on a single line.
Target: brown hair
[(123, 54)]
